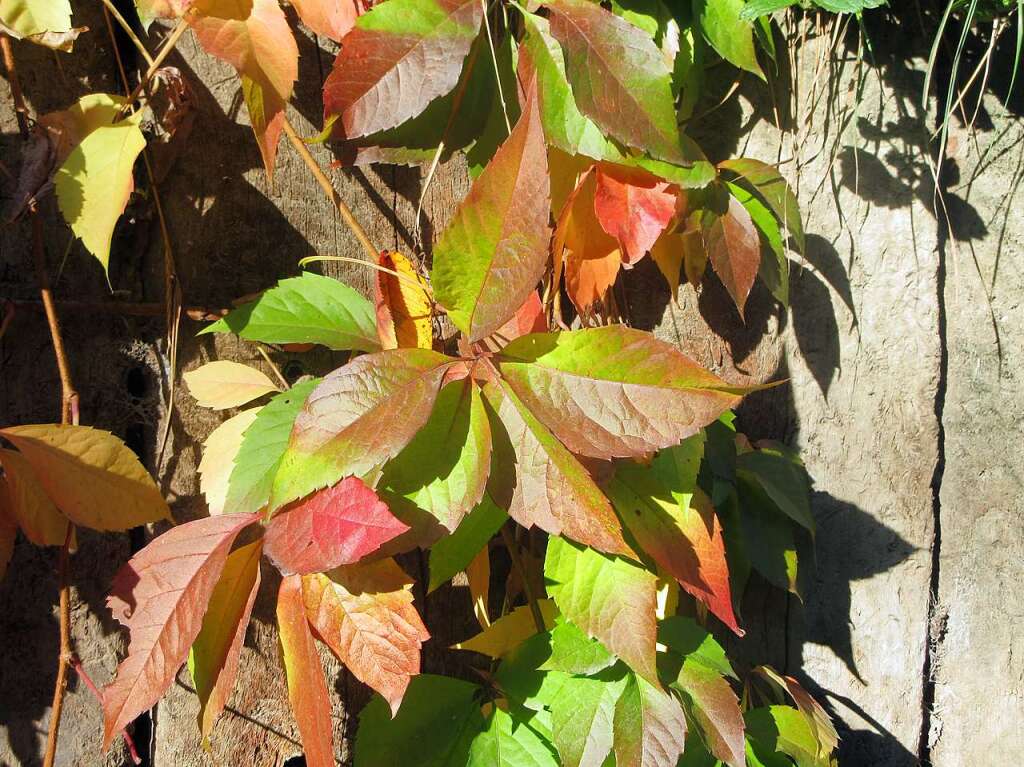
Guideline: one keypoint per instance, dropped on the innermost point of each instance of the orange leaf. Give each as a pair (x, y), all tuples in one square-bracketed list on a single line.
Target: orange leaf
[(260, 45), (307, 688), (403, 305), (161, 595), (30, 506), (594, 259), (633, 207), (329, 18), (478, 573), (214, 657), (365, 614)]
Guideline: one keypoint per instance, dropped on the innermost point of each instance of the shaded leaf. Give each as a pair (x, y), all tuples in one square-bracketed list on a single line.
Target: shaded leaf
[(817, 719), (8, 534), (649, 726), (219, 453), (358, 417), (785, 730), (95, 180), (775, 555), (263, 446), (307, 687), (435, 726), (613, 391), (529, 318), (728, 33), (619, 77), (454, 552), (573, 652), (493, 253), (404, 311), (509, 631), (399, 57), (734, 250), (161, 595), (478, 577), (93, 477), (365, 614), (338, 525), (254, 38), (582, 714), (443, 470), (609, 598), (213, 660), (715, 708), (223, 384), (543, 484), (783, 478), (683, 635), (330, 18), (770, 185), (309, 308), (632, 207), (506, 742), (27, 503)]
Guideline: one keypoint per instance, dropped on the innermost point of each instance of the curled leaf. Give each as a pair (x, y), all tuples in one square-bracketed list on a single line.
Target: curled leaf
[(404, 310)]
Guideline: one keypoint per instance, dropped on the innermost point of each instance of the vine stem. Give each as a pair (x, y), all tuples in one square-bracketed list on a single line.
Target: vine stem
[(517, 562), (330, 191), (68, 415)]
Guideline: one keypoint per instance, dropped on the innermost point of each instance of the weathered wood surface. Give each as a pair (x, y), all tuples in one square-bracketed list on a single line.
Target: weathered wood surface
[(862, 348)]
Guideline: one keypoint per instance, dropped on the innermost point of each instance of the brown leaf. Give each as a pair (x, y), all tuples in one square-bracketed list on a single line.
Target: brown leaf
[(734, 248)]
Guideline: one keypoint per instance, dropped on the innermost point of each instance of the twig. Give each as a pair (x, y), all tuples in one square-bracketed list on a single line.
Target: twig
[(129, 309), (517, 563), (277, 373), (60, 687), (111, 9), (331, 192), (76, 664), (12, 80), (497, 71), (162, 54)]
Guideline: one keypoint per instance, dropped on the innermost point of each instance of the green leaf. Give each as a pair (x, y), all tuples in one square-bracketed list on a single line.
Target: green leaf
[(443, 471), (494, 252), (649, 727), (613, 391), (263, 446), (619, 77), (95, 181), (609, 598), (44, 22), (783, 478), (769, 184), (509, 743), (755, 9), (849, 6), (685, 636), (454, 552), (543, 484), (784, 729), (774, 269), (730, 35), (521, 678), (435, 726), (573, 652), (359, 416), (774, 554), (582, 715), (309, 308), (715, 708)]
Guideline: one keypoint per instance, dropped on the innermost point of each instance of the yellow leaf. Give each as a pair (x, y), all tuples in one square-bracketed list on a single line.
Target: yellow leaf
[(95, 180), (219, 452), (91, 475), (668, 255), (44, 22), (222, 384), (509, 631), (403, 305), (30, 506), (479, 575)]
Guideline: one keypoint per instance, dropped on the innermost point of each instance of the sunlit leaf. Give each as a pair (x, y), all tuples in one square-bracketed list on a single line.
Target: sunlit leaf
[(91, 475), (219, 453), (161, 596), (28, 504), (508, 743), (365, 614), (399, 57), (783, 729), (358, 417), (728, 33), (509, 631), (774, 269), (817, 719), (330, 18), (649, 726), (613, 391), (632, 207), (404, 311), (770, 185), (223, 384), (338, 525), (609, 598), (44, 22), (494, 251), (593, 258), (307, 688), (213, 660), (715, 708), (734, 250), (305, 309), (573, 652), (582, 715)]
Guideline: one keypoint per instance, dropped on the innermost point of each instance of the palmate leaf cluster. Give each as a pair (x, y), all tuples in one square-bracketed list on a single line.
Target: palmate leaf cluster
[(623, 451)]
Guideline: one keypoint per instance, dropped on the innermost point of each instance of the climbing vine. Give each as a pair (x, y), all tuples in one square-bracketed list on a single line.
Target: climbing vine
[(495, 403)]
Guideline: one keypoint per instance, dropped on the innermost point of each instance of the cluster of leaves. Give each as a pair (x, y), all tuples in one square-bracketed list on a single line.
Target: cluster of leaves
[(612, 442)]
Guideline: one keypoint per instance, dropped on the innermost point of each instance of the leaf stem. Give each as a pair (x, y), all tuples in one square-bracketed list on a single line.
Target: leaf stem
[(517, 562), (76, 664), (111, 9), (497, 71), (155, 63), (348, 260), (64, 660), (277, 372)]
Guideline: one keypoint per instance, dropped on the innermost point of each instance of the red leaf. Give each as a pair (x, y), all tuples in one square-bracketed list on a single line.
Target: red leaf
[(383, 77), (735, 251), (335, 526), (161, 595), (365, 614), (593, 259), (307, 688), (634, 208), (529, 318)]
